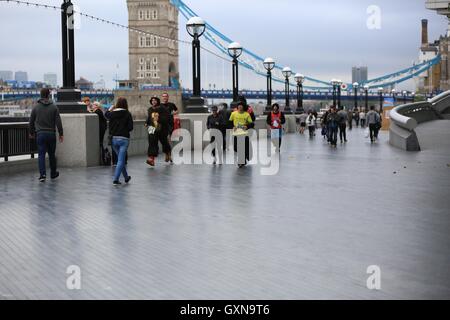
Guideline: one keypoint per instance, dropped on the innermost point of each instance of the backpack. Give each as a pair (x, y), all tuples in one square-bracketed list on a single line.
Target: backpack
[(106, 156)]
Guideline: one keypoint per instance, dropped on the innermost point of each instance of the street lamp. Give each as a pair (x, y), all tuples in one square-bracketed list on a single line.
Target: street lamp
[(404, 97), (196, 27), (366, 92), (339, 84), (69, 96), (299, 78), (287, 72), (269, 64), (380, 92), (334, 83), (355, 90), (235, 51)]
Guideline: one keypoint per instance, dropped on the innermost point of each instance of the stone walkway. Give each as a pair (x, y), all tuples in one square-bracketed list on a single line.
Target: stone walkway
[(204, 232)]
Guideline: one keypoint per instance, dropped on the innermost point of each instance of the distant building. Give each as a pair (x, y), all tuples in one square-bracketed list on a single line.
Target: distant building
[(51, 79), (84, 84), (359, 74), (153, 60), (21, 76), (435, 79), (6, 75)]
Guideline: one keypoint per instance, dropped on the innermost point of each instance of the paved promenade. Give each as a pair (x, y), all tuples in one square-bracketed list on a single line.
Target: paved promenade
[(204, 232)]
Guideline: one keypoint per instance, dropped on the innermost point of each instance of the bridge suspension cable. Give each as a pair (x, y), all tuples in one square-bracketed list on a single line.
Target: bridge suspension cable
[(248, 59)]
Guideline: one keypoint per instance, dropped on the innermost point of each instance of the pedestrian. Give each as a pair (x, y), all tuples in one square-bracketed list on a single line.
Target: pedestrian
[(324, 123), (158, 123), (374, 122), (302, 121), (228, 125), (171, 108), (103, 123), (362, 118), (275, 121), (44, 121), (356, 116), (120, 126), (87, 102), (333, 125), (342, 124), (242, 121), (311, 122), (216, 122), (350, 119)]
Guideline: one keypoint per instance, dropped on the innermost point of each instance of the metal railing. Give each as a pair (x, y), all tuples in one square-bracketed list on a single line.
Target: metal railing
[(15, 140)]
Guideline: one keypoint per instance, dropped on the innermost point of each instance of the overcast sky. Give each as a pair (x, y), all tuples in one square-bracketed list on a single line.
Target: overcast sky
[(320, 38)]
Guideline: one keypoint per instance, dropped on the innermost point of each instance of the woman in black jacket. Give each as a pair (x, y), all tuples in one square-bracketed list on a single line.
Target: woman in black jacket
[(120, 126), (159, 122)]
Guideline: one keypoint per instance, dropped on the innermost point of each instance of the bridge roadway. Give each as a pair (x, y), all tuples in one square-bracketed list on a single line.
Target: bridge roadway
[(204, 232)]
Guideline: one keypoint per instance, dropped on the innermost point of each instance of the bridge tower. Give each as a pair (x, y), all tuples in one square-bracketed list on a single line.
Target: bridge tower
[(153, 55), (152, 60)]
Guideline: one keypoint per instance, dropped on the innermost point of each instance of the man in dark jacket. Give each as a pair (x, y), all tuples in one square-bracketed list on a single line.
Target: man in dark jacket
[(228, 125), (343, 116), (333, 126), (44, 121), (217, 122), (170, 107)]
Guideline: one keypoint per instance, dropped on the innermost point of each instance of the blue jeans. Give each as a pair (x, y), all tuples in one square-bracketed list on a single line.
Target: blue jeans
[(120, 146), (46, 143)]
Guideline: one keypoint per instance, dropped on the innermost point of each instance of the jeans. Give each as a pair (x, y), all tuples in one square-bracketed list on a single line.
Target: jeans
[(46, 142), (120, 146), (333, 134)]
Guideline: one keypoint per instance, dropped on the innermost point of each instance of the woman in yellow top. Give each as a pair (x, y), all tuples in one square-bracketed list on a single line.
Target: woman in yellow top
[(242, 121)]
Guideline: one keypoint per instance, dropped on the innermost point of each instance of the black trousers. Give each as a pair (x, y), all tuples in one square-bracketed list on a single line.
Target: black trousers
[(242, 158), (343, 131), (311, 129), (153, 146), (224, 136), (373, 129)]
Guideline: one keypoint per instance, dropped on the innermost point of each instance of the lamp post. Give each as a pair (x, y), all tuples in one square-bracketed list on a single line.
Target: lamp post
[(299, 78), (269, 64), (333, 83), (404, 97), (355, 93), (235, 51), (287, 72), (380, 92), (196, 27), (69, 96), (366, 92), (339, 84)]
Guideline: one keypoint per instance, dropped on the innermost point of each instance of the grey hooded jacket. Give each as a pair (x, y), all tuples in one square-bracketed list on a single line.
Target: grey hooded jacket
[(45, 117)]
